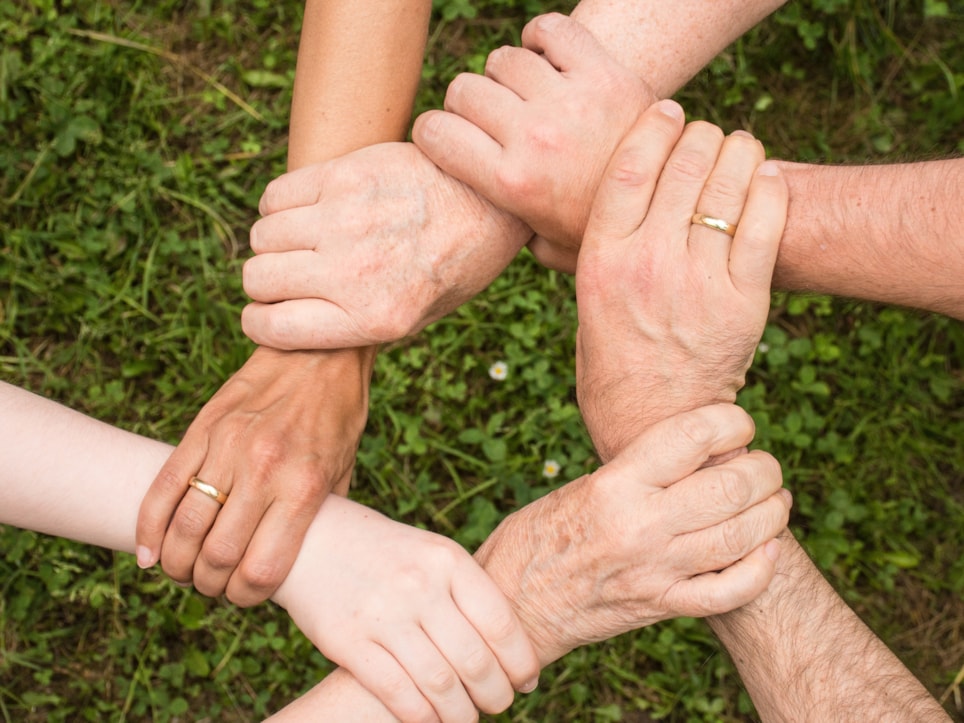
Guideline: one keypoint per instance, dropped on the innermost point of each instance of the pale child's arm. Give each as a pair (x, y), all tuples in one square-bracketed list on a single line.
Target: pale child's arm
[(410, 612)]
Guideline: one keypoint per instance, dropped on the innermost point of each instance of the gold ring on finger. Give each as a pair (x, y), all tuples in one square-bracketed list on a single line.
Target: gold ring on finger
[(210, 490), (717, 224)]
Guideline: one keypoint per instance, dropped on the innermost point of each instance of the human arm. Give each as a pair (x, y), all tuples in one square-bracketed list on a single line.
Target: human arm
[(399, 606), (282, 432), (645, 536), (299, 279), (803, 653), (597, 557), (881, 233)]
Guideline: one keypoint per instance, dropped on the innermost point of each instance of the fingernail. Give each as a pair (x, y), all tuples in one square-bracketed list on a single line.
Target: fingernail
[(670, 108), (145, 558), (772, 550), (182, 585), (742, 133), (787, 497), (768, 168), (530, 686)]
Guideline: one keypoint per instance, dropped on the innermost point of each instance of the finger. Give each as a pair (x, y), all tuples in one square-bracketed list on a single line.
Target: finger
[(271, 552), (301, 187), (163, 497), (293, 229), (623, 198), (715, 548), (224, 546), (677, 446), (723, 197), (683, 178), (473, 662), (714, 593), (485, 606), (565, 42), (460, 148), (435, 677), (192, 520), (385, 678), (712, 495), (291, 275), (757, 242), (525, 73), (484, 103), (302, 324)]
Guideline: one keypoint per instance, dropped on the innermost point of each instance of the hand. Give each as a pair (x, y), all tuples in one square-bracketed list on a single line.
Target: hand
[(535, 133), (647, 537), (410, 614), (276, 438), (369, 248), (670, 312)]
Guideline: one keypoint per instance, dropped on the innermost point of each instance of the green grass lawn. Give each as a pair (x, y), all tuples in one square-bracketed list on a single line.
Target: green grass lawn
[(135, 140)]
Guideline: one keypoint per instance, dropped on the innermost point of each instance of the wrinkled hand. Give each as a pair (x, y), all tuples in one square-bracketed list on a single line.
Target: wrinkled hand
[(276, 438), (369, 248), (670, 312), (535, 133), (410, 614), (647, 537)]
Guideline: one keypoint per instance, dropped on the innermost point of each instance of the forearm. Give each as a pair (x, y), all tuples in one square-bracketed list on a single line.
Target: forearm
[(804, 655), (882, 233), (94, 496), (664, 43), (357, 73)]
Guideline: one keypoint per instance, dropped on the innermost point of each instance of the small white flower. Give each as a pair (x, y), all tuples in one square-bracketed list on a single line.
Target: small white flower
[(499, 371), (763, 348), (551, 468)]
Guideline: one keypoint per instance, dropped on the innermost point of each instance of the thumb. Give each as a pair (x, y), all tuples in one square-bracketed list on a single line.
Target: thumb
[(677, 446)]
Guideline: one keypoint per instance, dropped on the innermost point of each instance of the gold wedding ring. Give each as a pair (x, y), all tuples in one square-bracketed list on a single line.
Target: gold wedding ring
[(210, 490), (717, 224)]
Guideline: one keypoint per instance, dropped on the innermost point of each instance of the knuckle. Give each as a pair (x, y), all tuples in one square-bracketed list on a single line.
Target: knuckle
[(734, 488), (477, 665), (501, 626), (734, 534), (221, 553), (457, 90), (441, 680), (395, 689), (696, 430), (189, 522), (724, 187), (171, 482), (514, 180), (269, 202), (498, 58), (393, 323), (261, 575), (630, 167), (265, 452), (689, 164)]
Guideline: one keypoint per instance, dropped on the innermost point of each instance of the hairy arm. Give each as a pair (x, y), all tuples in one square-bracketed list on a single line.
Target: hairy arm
[(665, 43), (804, 655), (882, 233)]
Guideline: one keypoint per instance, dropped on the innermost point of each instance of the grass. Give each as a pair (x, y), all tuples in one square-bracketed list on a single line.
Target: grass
[(137, 140)]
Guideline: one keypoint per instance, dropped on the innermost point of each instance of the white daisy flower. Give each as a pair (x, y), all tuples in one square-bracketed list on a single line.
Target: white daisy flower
[(499, 371), (551, 468)]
